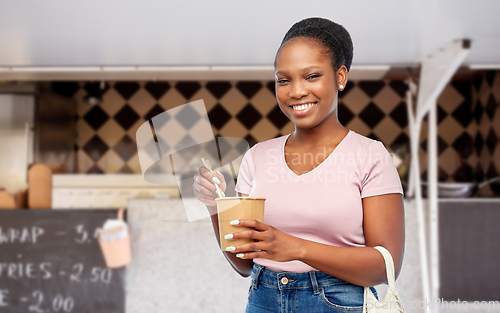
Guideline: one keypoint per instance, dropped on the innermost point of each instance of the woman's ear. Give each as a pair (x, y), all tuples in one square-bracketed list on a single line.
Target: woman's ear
[(342, 77)]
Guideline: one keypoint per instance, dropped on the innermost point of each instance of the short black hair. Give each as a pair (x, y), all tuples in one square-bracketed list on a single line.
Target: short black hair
[(331, 35)]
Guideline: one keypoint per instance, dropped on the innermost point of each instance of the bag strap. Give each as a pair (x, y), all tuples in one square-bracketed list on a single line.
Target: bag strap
[(389, 266), (120, 213)]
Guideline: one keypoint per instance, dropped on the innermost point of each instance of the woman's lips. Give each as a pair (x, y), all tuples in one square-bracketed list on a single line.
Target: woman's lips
[(303, 109)]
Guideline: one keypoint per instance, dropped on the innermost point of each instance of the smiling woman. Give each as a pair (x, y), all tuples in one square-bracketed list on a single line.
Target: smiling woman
[(332, 195)]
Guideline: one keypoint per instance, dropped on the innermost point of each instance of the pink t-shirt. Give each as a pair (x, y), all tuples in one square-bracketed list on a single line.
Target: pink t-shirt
[(323, 205)]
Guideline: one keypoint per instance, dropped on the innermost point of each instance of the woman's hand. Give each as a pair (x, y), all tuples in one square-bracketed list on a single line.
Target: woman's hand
[(273, 244), (204, 187)]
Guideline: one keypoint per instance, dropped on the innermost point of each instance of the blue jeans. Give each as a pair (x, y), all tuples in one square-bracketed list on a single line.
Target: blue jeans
[(311, 292)]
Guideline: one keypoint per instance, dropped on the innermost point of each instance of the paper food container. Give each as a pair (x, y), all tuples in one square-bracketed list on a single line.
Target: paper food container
[(114, 240)]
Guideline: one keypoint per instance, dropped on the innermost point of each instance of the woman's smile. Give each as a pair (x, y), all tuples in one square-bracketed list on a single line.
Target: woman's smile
[(303, 108)]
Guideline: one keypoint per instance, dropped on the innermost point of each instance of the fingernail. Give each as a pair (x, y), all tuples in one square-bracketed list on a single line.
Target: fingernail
[(219, 173), (216, 180), (230, 248), (235, 222), (239, 255), (228, 236), (223, 194)]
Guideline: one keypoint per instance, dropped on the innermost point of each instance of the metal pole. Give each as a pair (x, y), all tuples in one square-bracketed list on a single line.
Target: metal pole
[(432, 185)]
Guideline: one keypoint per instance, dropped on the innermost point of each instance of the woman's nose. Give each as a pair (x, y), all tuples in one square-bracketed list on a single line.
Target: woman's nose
[(298, 90)]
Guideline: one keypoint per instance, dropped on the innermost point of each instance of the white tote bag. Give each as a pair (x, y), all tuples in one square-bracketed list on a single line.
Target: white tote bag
[(392, 302)]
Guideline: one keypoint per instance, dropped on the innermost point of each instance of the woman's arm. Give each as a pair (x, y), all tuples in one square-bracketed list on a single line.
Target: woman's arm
[(205, 191), (383, 224)]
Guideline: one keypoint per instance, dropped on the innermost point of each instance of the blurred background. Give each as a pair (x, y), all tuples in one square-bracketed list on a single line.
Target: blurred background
[(77, 79)]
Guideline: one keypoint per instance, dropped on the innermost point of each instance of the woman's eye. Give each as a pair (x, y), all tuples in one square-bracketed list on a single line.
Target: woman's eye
[(312, 76), (281, 81)]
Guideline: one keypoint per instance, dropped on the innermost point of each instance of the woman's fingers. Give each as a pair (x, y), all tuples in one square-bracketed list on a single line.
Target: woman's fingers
[(204, 185), (251, 223)]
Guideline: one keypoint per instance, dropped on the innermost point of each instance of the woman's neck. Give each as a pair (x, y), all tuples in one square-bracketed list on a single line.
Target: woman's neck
[(325, 134)]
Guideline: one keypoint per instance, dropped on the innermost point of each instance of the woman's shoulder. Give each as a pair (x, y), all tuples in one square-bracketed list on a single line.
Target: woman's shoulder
[(359, 142)]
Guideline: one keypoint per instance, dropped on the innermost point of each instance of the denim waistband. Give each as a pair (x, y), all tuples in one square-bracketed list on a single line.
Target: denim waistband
[(290, 280)]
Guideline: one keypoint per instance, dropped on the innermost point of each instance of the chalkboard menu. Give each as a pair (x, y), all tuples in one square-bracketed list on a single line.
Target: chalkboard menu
[(51, 262)]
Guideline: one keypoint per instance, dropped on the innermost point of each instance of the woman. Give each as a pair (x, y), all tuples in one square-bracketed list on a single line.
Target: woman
[(332, 194)]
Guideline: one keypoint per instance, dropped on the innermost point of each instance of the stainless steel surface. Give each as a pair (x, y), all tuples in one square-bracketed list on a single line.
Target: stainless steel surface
[(459, 189)]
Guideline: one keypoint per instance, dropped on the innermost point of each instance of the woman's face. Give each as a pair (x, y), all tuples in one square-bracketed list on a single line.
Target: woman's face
[(306, 84)]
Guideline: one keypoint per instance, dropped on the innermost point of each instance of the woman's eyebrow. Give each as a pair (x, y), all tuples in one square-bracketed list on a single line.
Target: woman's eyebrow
[(305, 69)]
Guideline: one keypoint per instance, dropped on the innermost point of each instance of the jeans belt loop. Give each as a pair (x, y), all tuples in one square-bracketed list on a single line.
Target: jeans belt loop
[(255, 280), (315, 286)]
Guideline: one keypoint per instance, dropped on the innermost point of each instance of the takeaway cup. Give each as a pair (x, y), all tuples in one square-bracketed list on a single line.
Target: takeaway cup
[(235, 208)]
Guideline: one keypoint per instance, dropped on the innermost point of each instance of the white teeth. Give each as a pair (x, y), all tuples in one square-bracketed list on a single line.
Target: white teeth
[(303, 106)]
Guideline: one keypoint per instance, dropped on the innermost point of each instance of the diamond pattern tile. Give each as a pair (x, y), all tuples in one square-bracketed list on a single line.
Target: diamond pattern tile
[(400, 87), (95, 148), (188, 89), (468, 119), (96, 117), (126, 170), (277, 117), (464, 145), (110, 162), (464, 173), (478, 143), (441, 114), (441, 145), (478, 173), (156, 110), (127, 89), (187, 117), (126, 117), (249, 116), (157, 89), (462, 114), (233, 101), (491, 107), (125, 148), (95, 170), (264, 130), (111, 132), (449, 161), (450, 99), (371, 115), (141, 102), (386, 99), (402, 142), (492, 141), (249, 89), (264, 101), (251, 140), (173, 98), (186, 141), (478, 112), (272, 87), (386, 130), (218, 89), (371, 87), (400, 115), (112, 102), (345, 115), (218, 116), (356, 100)]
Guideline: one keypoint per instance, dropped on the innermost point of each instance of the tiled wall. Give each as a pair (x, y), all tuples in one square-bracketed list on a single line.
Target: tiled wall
[(469, 122)]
